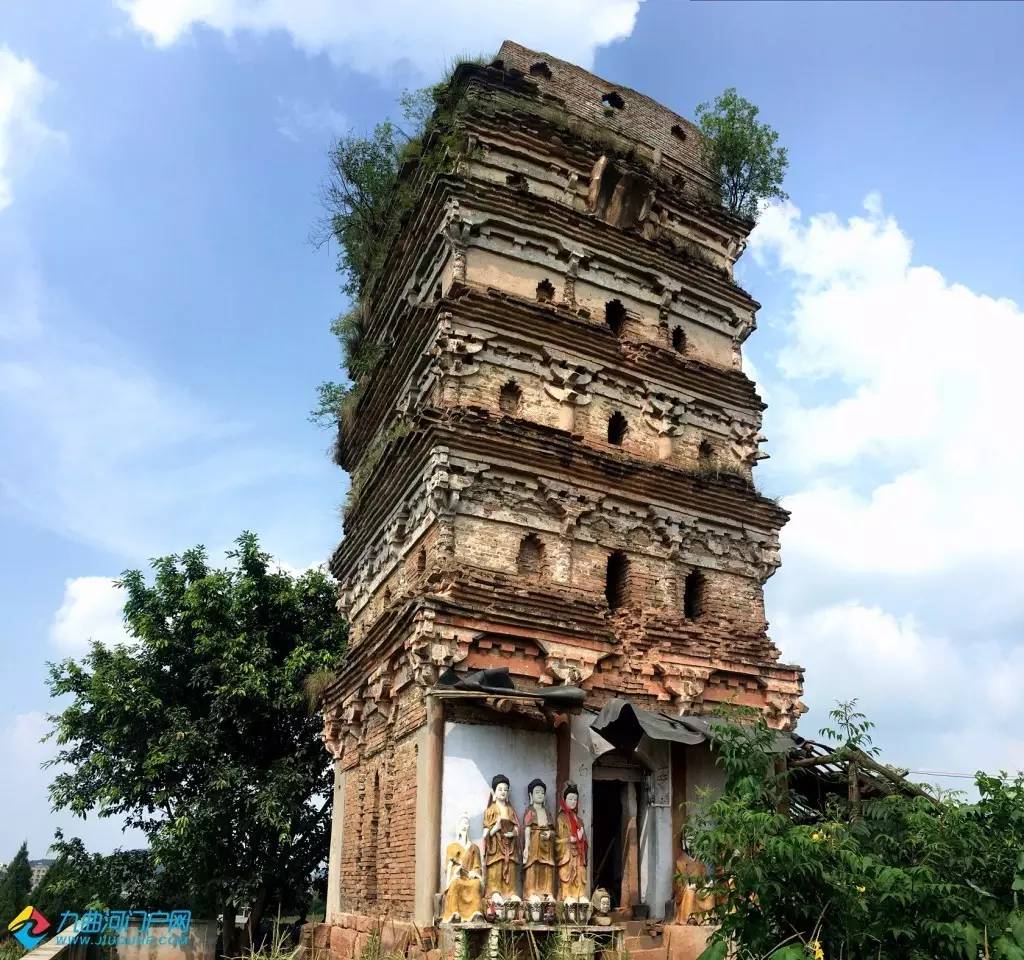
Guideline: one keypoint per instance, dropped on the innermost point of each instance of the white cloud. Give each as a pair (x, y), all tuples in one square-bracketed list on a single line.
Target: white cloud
[(893, 391), (920, 376), (90, 610), (297, 118), (926, 690), (22, 132), (374, 38)]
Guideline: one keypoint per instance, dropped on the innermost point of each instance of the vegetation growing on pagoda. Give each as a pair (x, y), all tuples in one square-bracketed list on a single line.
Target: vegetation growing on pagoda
[(367, 197), (900, 875), (743, 153)]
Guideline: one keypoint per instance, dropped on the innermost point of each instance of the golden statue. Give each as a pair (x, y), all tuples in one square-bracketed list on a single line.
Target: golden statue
[(463, 895), (692, 904), (538, 846), (571, 845), (501, 843)]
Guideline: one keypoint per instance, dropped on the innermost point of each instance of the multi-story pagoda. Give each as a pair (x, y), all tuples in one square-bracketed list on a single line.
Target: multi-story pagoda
[(553, 474)]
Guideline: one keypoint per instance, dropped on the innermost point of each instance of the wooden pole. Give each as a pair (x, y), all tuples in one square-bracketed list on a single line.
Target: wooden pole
[(853, 789)]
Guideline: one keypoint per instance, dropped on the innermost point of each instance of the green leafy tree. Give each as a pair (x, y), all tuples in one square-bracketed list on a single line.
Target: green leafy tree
[(895, 876), (15, 887), (199, 732), (742, 152), (122, 880)]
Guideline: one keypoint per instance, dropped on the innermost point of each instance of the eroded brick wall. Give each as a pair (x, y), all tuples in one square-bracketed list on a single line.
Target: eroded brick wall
[(378, 862)]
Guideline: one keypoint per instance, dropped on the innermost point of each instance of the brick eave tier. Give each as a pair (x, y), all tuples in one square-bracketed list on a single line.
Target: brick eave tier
[(514, 444)]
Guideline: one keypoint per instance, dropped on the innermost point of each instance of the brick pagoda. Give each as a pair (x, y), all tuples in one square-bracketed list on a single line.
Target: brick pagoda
[(553, 474)]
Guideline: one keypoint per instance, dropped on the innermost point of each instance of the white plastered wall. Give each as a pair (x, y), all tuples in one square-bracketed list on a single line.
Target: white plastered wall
[(473, 754)]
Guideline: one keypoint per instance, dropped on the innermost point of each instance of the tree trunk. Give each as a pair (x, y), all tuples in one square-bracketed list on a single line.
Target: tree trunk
[(259, 904), (228, 931)]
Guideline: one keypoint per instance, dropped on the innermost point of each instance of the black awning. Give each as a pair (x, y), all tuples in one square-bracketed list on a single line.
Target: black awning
[(497, 682), (622, 724)]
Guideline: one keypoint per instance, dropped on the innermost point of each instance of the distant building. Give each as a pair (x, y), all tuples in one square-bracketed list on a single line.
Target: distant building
[(39, 868)]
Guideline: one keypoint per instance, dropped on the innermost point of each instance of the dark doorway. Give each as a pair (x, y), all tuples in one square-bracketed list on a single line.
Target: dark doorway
[(607, 820)]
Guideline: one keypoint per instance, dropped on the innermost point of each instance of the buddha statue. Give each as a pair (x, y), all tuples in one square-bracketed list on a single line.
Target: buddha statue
[(538, 847), (463, 895), (693, 903), (501, 844), (602, 903), (571, 847)]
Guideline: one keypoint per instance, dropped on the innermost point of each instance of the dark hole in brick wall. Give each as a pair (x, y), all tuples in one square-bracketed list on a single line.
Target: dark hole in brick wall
[(678, 339), (621, 196), (617, 428), (615, 316), (509, 398), (531, 555), (693, 595), (498, 64), (517, 182), (678, 132), (437, 292), (616, 581), (545, 291), (421, 561), (540, 69), (613, 100)]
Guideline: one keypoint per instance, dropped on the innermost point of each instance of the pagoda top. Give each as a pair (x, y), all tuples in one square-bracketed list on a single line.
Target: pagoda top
[(626, 111)]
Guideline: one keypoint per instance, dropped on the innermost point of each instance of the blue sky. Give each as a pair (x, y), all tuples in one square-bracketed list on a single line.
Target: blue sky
[(163, 318)]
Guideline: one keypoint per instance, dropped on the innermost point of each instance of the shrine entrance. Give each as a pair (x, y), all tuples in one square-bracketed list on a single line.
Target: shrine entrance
[(619, 798)]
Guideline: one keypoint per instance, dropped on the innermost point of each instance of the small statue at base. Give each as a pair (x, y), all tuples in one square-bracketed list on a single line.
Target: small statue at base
[(602, 903), (692, 905), (538, 847), (463, 897), (501, 844)]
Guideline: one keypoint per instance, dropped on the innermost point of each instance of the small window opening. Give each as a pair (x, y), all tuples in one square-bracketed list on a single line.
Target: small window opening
[(517, 181), (615, 316), (510, 397), (616, 583), (617, 427), (498, 64), (693, 595), (618, 196), (678, 132), (545, 291), (387, 597), (706, 453), (531, 555), (540, 69), (421, 560), (678, 340), (613, 100), (437, 292)]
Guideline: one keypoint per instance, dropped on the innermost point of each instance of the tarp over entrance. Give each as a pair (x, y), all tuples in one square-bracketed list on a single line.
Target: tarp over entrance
[(623, 724)]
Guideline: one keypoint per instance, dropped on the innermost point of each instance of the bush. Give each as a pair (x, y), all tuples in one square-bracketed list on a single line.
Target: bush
[(909, 877)]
